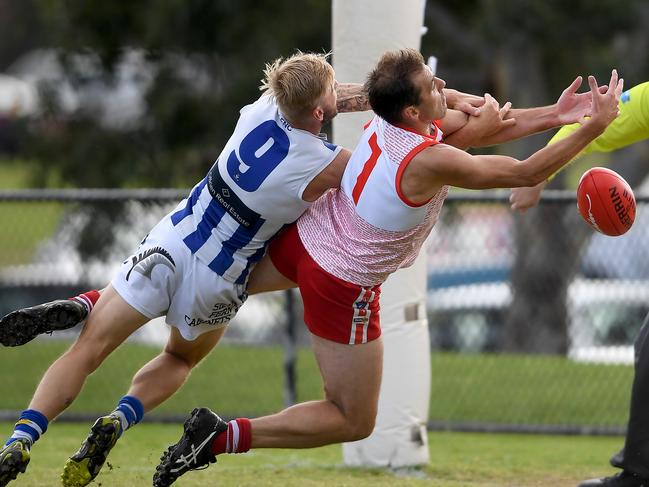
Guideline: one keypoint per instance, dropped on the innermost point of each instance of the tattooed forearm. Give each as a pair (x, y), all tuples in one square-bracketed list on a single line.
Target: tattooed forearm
[(352, 98)]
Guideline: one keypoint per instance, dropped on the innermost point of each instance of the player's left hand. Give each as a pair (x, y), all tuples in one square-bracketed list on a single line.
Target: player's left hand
[(572, 106)]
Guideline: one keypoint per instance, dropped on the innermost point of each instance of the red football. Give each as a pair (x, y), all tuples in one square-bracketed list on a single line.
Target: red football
[(606, 201)]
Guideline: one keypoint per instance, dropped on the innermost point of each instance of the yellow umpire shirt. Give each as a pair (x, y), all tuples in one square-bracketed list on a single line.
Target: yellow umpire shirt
[(631, 125)]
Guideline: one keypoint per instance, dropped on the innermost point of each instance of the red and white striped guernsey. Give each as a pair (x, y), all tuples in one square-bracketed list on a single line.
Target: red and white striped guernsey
[(368, 229)]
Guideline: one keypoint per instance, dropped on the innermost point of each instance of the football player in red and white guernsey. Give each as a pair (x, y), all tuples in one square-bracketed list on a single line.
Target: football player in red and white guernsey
[(348, 242)]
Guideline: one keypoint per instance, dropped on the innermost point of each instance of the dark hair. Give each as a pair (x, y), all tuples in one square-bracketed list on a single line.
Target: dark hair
[(389, 85)]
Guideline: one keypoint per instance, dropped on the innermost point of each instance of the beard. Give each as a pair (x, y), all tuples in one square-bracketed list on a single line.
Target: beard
[(329, 114)]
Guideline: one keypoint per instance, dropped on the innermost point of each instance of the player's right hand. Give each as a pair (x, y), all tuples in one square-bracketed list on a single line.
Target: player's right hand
[(605, 106)]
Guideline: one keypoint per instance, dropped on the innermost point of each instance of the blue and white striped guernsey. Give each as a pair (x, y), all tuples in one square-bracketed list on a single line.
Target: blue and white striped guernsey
[(252, 191)]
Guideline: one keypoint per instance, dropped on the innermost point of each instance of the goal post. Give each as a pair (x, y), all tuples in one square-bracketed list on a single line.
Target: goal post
[(362, 30)]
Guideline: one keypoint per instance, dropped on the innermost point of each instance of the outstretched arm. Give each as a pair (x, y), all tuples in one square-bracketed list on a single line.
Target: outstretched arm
[(352, 98), (570, 108), (442, 165), (631, 126)]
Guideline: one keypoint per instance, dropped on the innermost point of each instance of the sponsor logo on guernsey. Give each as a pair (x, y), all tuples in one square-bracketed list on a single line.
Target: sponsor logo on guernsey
[(221, 314), (228, 199), (144, 262)]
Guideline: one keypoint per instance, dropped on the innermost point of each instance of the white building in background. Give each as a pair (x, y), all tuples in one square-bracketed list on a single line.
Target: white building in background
[(118, 101), (18, 98)]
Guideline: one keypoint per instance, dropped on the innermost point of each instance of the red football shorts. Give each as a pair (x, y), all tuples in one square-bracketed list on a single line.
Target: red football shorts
[(334, 309)]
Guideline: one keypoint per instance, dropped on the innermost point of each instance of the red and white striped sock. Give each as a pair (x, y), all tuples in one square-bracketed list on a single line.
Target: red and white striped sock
[(236, 439), (88, 299)]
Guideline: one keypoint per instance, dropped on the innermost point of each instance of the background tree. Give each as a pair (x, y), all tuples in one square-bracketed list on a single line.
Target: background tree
[(205, 59)]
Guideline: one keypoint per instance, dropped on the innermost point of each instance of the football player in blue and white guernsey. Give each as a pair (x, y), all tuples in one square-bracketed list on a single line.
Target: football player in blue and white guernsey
[(194, 265)]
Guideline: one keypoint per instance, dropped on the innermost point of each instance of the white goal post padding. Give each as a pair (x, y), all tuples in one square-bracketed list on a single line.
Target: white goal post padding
[(362, 31), (399, 438)]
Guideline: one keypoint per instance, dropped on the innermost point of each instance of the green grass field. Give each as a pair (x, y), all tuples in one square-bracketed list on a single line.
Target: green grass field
[(457, 459), (237, 380)]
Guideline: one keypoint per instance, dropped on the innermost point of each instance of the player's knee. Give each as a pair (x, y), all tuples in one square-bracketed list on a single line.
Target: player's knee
[(180, 359), (183, 359), (359, 424), (190, 353), (359, 421), (362, 428)]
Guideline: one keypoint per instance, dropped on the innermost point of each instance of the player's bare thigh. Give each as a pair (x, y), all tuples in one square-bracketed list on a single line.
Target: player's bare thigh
[(352, 377), (111, 322), (265, 277)]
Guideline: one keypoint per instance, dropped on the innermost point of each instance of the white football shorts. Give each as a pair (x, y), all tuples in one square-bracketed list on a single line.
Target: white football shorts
[(163, 278)]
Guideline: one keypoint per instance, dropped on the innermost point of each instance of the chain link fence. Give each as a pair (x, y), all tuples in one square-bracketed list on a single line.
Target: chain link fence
[(532, 317)]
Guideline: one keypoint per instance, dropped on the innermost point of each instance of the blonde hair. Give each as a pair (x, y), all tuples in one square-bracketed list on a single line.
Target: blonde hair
[(298, 82)]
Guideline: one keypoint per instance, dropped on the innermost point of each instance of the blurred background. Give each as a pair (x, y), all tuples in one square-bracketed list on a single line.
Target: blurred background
[(533, 314)]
